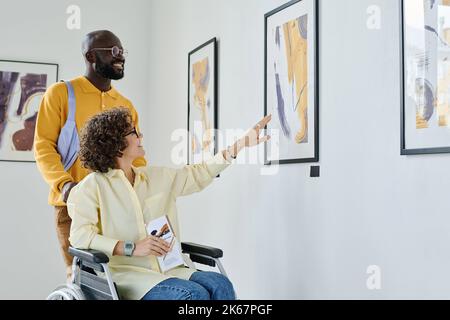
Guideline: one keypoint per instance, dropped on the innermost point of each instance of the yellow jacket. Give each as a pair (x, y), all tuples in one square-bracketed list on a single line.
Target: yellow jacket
[(52, 116), (105, 208)]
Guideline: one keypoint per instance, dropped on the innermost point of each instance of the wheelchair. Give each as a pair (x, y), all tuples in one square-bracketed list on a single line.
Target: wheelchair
[(86, 284)]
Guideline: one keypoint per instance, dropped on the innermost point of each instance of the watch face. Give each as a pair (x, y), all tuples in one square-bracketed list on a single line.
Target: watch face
[(128, 248)]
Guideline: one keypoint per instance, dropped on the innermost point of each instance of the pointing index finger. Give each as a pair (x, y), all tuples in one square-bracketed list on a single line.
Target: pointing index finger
[(265, 121)]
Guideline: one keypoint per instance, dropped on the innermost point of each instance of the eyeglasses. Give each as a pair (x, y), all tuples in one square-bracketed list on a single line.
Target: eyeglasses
[(116, 52), (135, 132)]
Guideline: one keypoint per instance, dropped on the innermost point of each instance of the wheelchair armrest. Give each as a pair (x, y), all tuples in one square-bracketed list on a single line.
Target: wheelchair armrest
[(193, 248), (89, 256)]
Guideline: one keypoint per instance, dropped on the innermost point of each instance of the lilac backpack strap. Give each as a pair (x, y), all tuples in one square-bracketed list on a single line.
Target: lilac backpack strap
[(68, 141)]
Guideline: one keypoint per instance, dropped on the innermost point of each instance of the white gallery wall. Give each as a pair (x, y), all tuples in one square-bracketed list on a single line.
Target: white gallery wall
[(30, 263), (285, 236), (289, 236)]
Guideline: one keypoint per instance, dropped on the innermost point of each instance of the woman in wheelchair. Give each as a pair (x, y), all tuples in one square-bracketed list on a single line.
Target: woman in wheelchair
[(111, 207)]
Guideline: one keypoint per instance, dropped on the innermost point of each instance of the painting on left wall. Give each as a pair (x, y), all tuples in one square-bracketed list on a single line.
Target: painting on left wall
[(22, 85)]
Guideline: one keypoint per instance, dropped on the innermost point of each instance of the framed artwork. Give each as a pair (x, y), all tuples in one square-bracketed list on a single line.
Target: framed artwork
[(425, 85), (202, 102), (291, 83), (22, 85)]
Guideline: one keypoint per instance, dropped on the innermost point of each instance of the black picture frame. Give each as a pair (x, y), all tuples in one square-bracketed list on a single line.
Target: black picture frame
[(404, 150), (18, 68), (315, 157), (211, 44)]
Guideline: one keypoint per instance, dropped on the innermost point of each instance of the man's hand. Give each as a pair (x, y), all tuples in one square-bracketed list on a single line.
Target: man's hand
[(65, 191)]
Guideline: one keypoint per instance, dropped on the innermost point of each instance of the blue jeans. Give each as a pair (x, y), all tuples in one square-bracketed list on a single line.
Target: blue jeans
[(202, 285)]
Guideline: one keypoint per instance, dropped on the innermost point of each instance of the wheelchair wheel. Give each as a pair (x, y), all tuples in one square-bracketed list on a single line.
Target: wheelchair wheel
[(67, 292)]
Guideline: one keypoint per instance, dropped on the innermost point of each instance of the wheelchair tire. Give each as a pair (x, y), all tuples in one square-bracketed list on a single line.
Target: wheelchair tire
[(67, 292)]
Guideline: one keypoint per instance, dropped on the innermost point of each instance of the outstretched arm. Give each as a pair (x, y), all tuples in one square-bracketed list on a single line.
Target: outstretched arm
[(250, 139), (194, 178)]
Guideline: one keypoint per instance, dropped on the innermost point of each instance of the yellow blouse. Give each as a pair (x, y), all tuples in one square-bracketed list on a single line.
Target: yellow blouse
[(106, 208)]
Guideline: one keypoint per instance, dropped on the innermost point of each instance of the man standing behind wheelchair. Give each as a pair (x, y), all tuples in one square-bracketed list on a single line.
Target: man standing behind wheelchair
[(111, 207)]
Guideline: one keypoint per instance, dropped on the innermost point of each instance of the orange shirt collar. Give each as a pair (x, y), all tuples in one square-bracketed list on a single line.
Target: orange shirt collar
[(88, 87)]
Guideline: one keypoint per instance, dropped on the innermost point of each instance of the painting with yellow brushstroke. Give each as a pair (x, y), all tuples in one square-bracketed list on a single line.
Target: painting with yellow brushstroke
[(426, 75), (202, 103), (290, 79), (296, 54)]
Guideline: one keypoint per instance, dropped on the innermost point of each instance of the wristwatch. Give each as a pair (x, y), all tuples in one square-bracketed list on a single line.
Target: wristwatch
[(128, 248)]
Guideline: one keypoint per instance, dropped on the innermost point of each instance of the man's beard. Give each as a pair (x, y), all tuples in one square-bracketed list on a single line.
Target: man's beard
[(107, 71)]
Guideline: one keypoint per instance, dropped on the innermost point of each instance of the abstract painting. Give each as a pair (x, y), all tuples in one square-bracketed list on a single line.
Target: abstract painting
[(202, 102), (291, 77), (425, 108), (22, 85)]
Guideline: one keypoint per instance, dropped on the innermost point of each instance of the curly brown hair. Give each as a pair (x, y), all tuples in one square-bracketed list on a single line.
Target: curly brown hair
[(102, 139)]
